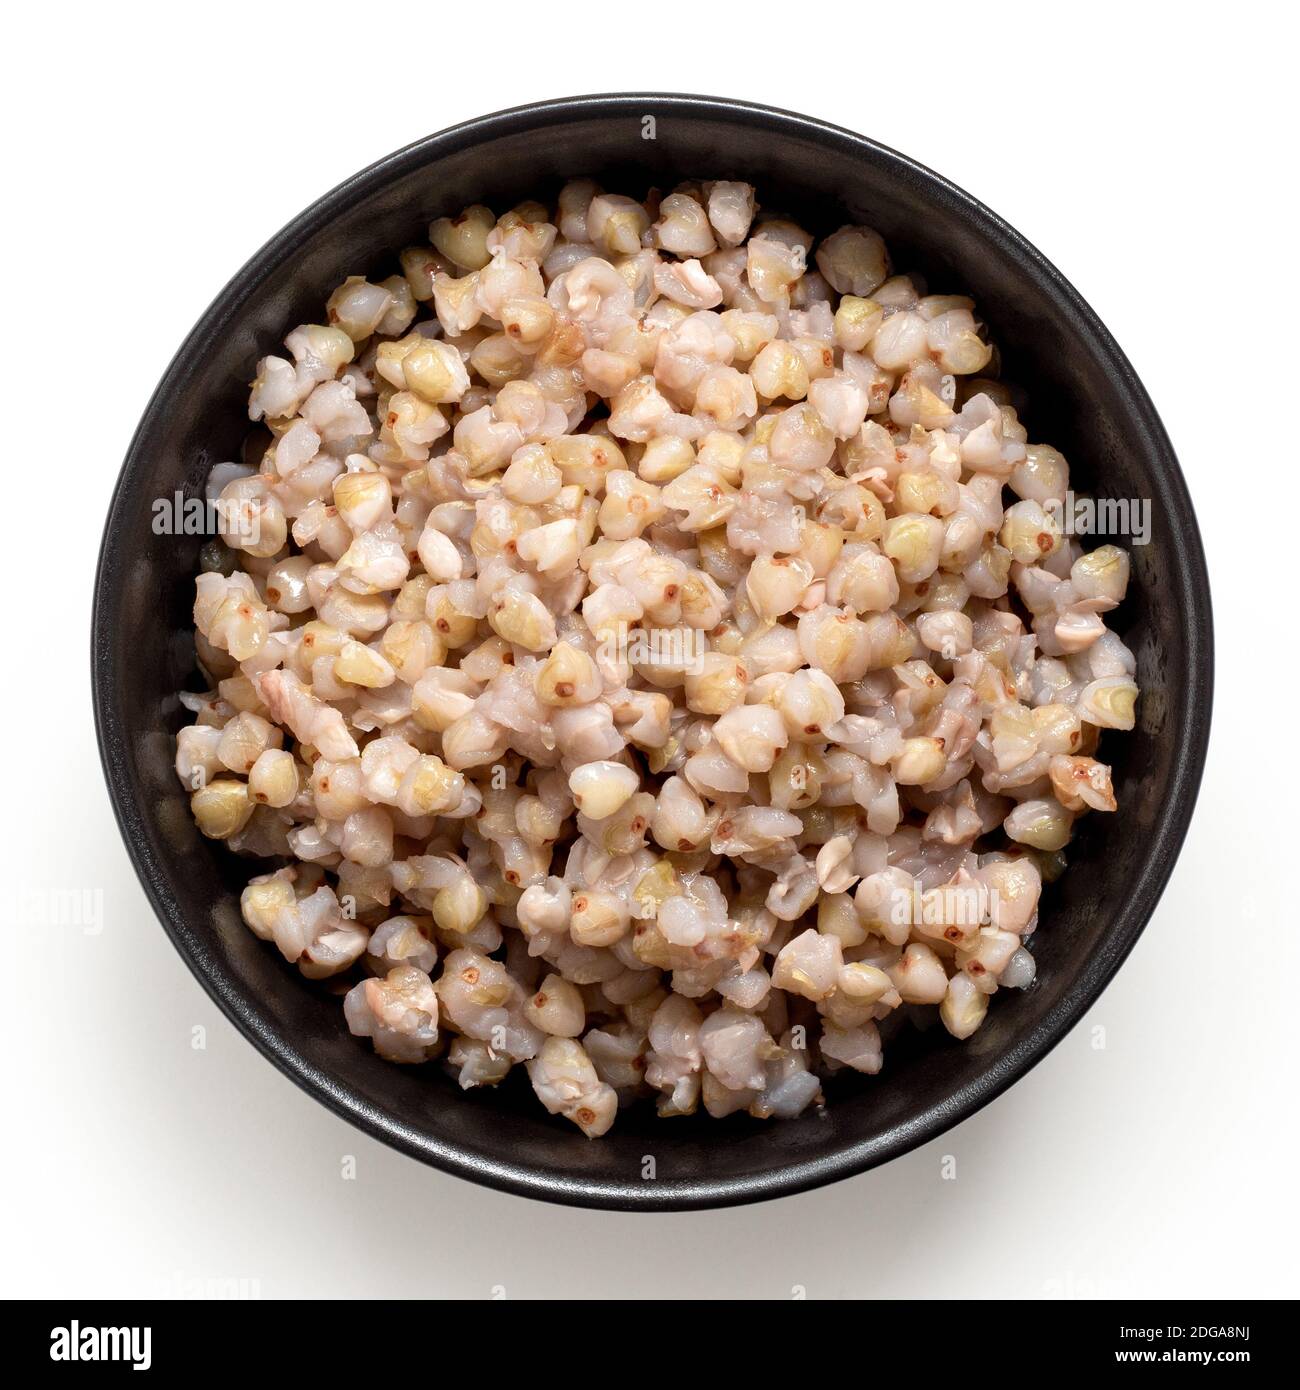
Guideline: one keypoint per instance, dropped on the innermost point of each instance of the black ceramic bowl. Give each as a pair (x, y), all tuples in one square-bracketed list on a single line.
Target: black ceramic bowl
[(1083, 396)]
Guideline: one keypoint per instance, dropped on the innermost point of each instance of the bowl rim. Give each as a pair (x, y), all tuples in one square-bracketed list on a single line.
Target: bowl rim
[(1094, 974)]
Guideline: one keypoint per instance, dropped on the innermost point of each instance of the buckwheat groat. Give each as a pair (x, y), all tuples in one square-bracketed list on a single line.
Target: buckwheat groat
[(650, 650)]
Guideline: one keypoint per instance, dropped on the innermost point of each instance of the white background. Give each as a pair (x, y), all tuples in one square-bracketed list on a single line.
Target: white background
[(1148, 154)]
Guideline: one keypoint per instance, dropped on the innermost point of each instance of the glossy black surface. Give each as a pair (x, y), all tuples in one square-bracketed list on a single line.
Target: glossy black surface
[(1083, 397)]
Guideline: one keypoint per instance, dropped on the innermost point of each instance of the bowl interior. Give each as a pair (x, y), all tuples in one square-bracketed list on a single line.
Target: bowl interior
[(1082, 396)]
